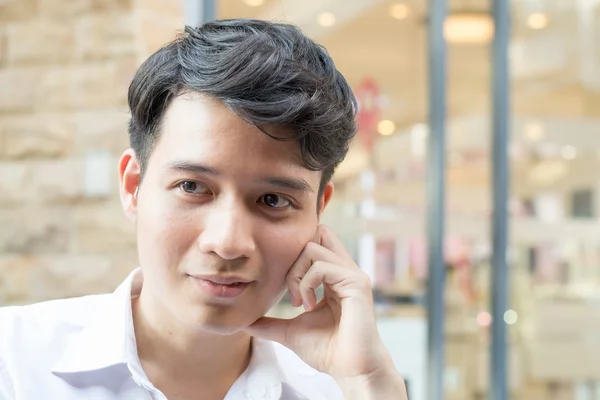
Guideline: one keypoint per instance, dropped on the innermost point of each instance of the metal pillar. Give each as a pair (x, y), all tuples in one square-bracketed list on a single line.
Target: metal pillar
[(198, 12), (500, 182), (209, 10), (436, 199)]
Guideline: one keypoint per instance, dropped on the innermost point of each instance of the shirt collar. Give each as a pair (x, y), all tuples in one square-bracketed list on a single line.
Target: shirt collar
[(109, 340), (262, 379)]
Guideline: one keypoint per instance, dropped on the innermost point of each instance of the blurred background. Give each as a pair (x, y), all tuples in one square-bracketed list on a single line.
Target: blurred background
[(65, 66)]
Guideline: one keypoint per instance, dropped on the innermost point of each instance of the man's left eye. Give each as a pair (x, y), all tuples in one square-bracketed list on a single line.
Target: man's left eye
[(191, 187), (275, 201)]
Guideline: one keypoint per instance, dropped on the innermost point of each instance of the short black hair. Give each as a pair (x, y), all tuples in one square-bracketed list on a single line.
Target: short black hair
[(270, 74)]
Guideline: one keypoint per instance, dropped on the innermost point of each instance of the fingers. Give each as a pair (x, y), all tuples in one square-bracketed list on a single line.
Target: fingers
[(273, 329), (344, 282), (312, 252), (325, 247)]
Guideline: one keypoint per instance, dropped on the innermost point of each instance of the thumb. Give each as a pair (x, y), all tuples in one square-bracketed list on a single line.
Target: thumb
[(274, 329)]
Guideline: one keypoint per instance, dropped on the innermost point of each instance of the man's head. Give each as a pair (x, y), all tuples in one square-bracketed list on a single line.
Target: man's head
[(236, 128)]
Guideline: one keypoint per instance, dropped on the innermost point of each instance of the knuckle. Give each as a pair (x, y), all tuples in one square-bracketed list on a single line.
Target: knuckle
[(318, 266), (364, 280), (311, 246), (304, 287)]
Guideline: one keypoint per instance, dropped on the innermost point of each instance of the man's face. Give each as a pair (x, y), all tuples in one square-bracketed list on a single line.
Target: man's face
[(221, 202)]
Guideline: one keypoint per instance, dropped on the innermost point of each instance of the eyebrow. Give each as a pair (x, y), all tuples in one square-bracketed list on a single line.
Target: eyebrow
[(282, 182), (289, 183), (199, 168)]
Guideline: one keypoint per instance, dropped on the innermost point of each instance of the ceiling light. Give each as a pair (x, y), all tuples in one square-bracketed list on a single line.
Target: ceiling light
[(484, 319), (469, 28), (326, 19), (569, 152), (534, 131), (254, 3), (537, 21), (399, 11), (386, 127), (511, 317)]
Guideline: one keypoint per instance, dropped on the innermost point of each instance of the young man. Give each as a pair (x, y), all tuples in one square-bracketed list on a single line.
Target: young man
[(236, 128)]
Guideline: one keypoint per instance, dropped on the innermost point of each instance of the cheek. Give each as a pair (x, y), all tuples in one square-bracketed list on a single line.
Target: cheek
[(161, 225), (285, 245)]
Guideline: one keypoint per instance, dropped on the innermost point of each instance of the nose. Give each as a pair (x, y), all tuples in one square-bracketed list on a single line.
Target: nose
[(228, 232)]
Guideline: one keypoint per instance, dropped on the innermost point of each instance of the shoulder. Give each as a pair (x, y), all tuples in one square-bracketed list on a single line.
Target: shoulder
[(33, 337), (74, 311), (299, 377), (45, 322)]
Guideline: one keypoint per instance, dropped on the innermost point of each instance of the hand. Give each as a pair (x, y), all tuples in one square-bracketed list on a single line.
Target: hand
[(338, 335)]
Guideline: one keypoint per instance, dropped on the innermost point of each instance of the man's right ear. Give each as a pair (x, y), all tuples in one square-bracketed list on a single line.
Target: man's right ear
[(129, 180)]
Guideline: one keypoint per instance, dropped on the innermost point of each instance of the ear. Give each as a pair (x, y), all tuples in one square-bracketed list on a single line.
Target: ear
[(325, 197), (129, 181)]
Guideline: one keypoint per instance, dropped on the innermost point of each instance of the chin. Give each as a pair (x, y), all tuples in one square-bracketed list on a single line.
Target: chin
[(218, 321), (222, 330)]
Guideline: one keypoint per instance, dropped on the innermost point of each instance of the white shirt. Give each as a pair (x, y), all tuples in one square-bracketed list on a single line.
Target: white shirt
[(84, 348)]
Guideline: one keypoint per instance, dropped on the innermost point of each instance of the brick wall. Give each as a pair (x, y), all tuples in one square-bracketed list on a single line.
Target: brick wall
[(65, 66)]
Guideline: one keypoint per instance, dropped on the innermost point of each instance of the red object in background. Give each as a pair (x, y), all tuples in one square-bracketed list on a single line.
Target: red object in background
[(368, 96), (385, 262), (418, 257)]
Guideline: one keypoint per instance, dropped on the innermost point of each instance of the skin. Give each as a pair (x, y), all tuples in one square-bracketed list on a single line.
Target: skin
[(219, 197)]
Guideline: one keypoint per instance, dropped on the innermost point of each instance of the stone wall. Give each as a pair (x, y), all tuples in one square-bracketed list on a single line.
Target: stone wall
[(65, 66)]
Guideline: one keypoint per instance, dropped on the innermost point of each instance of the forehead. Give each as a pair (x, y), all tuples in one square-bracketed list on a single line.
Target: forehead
[(198, 128)]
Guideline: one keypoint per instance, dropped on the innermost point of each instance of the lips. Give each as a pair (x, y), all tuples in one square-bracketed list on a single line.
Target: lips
[(226, 287), (222, 279)]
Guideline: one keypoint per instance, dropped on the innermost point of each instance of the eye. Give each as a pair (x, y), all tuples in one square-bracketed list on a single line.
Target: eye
[(192, 187), (275, 201)]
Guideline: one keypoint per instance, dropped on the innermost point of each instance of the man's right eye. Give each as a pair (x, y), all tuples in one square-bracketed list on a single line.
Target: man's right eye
[(192, 187)]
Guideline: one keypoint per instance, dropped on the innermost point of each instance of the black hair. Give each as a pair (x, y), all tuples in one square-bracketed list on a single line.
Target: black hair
[(270, 74)]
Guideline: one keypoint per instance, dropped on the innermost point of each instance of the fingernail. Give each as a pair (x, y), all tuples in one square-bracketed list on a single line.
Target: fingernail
[(305, 306), (296, 303)]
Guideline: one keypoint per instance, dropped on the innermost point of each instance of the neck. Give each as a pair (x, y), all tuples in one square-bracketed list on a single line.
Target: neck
[(171, 351)]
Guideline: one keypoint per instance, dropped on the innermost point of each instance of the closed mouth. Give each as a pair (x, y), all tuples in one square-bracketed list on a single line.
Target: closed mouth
[(223, 280)]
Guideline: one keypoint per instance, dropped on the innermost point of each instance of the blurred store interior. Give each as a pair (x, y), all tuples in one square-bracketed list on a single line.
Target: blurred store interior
[(379, 208)]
